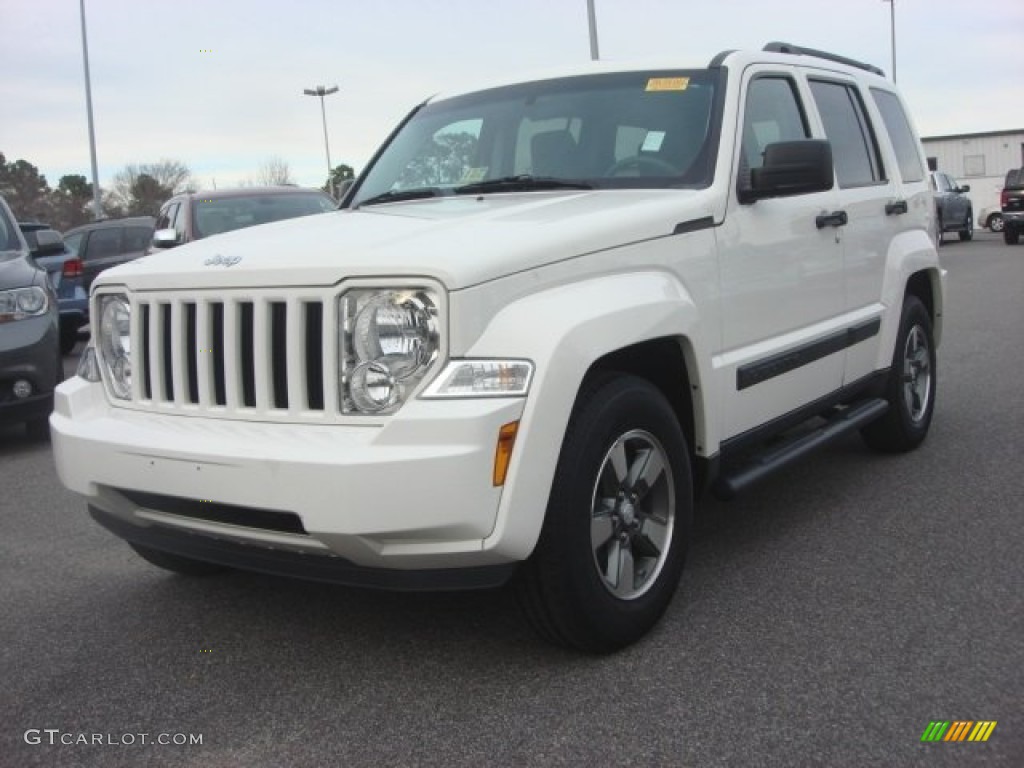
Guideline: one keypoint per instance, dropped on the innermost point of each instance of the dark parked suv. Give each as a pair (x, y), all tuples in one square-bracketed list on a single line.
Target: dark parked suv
[(1011, 200), (106, 244), (30, 363), (953, 207)]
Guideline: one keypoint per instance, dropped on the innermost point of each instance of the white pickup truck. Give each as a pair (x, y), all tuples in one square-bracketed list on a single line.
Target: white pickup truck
[(547, 316)]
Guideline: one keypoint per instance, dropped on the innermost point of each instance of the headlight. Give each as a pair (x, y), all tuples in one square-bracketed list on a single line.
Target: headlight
[(21, 303), (389, 340), (115, 343)]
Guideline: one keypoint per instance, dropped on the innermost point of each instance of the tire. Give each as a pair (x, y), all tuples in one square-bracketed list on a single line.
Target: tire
[(910, 389), (584, 585), (182, 565), (995, 222), (967, 233), (939, 233), (1010, 236)]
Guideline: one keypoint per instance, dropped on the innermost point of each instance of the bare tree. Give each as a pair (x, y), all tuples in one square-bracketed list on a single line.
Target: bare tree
[(141, 188), (274, 171)]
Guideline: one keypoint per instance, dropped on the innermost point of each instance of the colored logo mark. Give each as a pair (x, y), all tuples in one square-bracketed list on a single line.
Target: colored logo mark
[(958, 730)]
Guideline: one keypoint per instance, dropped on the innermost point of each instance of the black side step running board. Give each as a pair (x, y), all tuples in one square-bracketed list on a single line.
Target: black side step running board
[(777, 456)]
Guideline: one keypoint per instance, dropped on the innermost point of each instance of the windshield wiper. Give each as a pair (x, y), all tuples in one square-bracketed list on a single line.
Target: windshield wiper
[(397, 195), (524, 182)]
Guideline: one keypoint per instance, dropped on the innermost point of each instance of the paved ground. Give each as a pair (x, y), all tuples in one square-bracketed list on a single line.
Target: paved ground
[(824, 619)]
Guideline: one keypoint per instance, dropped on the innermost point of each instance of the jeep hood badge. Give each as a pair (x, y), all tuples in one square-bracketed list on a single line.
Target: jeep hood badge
[(222, 261)]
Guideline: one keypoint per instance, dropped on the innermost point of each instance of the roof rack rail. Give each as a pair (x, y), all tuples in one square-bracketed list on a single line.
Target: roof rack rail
[(776, 47)]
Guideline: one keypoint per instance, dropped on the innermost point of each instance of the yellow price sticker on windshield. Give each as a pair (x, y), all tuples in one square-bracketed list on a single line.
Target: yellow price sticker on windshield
[(667, 84)]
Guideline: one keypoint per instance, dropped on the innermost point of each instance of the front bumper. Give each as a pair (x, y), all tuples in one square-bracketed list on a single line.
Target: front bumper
[(415, 493), (28, 351)]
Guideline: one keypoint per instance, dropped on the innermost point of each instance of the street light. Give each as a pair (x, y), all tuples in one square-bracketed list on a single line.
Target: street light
[(892, 33), (321, 91), (592, 25), (97, 210)]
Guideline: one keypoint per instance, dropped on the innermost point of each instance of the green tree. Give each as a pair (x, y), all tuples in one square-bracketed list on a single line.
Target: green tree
[(339, 174), (25, 190), (71, 202)]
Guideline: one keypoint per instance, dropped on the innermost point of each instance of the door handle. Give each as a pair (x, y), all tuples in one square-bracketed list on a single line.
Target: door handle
[(899, 206), (834, 219)]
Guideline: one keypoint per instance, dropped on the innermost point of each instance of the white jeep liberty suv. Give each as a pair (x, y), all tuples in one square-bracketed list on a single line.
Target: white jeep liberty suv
[(547, 316)]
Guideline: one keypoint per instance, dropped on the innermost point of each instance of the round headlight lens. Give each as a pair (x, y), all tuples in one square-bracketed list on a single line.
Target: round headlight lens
[(115, 343), (397, 330), (374, 388)]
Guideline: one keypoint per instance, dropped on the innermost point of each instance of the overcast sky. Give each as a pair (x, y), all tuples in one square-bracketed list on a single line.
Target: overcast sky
[(218, 84)]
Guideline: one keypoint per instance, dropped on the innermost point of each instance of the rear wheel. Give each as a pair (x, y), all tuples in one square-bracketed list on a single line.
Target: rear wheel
[(911, 386), (995, 222), (614, 540), (1010, 236), (68, 338), (186, 566)]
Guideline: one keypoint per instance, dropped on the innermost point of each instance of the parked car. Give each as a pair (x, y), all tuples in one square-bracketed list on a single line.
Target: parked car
[(1011, 200), (106, 244), (30, 362), (65, 271), (550, 314), (195, 215), (991, 219), (953, 207)]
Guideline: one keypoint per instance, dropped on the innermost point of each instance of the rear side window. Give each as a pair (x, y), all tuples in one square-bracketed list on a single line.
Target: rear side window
[(136, 238), (104, 242), (902, 137), (854, 149)]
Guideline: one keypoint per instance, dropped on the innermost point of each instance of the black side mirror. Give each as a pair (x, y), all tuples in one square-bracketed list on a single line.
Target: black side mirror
[(791, 168), (964, 188), (48, 242)]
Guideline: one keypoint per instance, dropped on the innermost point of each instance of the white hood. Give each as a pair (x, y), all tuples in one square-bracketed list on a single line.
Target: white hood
[(460, 241)]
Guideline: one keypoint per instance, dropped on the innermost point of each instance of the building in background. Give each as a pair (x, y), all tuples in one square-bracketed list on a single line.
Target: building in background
[(979, 160)]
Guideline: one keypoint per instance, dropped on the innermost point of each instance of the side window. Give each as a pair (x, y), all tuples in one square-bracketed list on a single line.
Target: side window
[(166, 217), (908, 154), (105, 242), (854, 149), (136, 238), (773, 113), (176, 216), (74, 242)]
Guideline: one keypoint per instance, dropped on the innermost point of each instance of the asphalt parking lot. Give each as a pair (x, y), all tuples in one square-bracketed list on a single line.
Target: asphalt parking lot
[(825, 618)]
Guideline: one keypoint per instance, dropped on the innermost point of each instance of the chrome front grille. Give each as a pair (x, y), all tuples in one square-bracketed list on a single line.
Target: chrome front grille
[(257, 355)]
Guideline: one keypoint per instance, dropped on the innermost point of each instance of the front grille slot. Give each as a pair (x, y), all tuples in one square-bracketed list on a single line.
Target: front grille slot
[(215, 512), (242, 357)]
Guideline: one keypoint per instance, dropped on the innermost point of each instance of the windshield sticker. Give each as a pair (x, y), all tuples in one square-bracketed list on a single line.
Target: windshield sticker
[(473, 175), (653, 141), (667, 83)]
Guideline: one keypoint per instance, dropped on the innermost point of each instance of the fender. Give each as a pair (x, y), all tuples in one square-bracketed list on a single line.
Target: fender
[(909, 253), (563, 330)]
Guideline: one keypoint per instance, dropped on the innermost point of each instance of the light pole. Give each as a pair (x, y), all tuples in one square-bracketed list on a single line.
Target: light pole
[(592, 24), (321, 91), (892, 34), (97, 211)]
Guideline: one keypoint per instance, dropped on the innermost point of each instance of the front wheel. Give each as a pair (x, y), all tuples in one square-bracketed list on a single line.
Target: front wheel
[(911, 385), (618, 520)]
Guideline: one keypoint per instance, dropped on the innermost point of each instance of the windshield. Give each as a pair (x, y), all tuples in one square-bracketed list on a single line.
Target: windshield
[(223, 214), (633, 129)]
